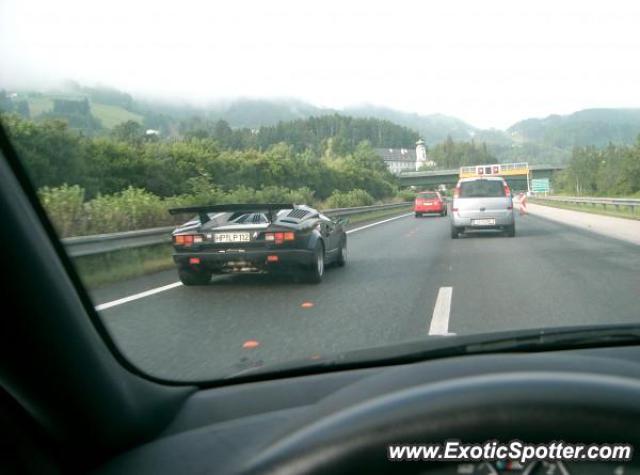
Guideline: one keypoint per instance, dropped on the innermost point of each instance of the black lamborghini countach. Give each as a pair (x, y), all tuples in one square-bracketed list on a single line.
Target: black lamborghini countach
[(257, 238)]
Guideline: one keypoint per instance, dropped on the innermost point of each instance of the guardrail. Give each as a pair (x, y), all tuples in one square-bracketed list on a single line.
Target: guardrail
[(617, 202), (102, 243)]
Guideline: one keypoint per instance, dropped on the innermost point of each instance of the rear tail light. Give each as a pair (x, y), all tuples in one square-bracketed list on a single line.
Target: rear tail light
[(187, 239), (279, 238), (272, 258), (455, 210), (507, 191), (194, 260)]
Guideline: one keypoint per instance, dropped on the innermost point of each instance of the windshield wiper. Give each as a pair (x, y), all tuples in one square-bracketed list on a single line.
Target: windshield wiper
[(523, 341)]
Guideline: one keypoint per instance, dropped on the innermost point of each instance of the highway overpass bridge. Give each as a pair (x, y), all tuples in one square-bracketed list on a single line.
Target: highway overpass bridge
[(432, 179)]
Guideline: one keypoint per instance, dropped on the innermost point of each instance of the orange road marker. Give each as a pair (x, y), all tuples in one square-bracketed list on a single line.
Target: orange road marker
[(307, 304), (250, 344)]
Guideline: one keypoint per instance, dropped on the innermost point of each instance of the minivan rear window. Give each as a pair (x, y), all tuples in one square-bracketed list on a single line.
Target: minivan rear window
[(482, 189)]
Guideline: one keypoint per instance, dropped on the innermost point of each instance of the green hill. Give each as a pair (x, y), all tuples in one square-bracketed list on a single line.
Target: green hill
[(432, 128), (538, 140), (111, 116), (108, 115), (596, 127)]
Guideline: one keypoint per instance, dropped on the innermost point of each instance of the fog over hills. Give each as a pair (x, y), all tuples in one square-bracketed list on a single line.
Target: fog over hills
[(548, 139)]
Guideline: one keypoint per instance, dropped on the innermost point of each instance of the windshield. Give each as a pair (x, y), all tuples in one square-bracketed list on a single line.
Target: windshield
[(238, 184), (482, 189)]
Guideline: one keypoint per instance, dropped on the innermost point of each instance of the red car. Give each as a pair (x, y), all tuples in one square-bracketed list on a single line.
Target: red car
[(429, 202)]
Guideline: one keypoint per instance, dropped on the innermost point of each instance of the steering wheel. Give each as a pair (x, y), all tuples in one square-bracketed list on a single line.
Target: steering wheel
[(530, 406)]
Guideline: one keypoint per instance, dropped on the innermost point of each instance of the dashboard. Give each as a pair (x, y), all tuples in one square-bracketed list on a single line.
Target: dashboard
[(535, 468), (260, 427)]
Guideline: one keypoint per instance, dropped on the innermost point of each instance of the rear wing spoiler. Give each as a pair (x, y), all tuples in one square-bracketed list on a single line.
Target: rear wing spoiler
[(203, 211)]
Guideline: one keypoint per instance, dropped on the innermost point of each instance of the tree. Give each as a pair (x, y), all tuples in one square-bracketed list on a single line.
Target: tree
[(450, 154), (129, 131)]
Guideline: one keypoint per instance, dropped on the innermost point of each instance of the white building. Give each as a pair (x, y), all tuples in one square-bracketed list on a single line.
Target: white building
[(400, 160), (421, 154)]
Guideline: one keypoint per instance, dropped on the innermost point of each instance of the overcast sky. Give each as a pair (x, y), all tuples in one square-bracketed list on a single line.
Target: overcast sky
[(490, 63)]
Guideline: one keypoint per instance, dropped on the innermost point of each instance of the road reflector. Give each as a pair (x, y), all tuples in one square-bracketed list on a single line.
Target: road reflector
[(250, 344), (307, 304)]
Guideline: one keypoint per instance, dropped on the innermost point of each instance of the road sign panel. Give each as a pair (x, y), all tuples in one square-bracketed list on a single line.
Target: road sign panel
[(540, 184)]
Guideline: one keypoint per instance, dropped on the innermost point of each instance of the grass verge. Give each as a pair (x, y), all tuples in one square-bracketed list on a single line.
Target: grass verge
[(623, 212), (102, 269)]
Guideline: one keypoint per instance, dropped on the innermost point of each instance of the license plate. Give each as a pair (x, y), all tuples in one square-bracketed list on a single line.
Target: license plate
[(231, 237), (483, 222)]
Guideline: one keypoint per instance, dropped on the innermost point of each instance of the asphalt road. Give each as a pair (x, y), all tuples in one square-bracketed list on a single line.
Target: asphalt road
[(549, 275)]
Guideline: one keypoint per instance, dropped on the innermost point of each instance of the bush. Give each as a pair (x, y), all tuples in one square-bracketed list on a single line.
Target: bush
[(64, 206), (406, 195), (132, 208), (135, 208), (349, 199)]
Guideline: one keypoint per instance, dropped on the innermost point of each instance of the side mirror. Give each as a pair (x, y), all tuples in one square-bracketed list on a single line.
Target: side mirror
[(342, 221)]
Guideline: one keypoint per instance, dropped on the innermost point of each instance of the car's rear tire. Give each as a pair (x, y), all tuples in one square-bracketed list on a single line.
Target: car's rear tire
[(341, 260), (314, 273), (418, 215), (455, 232), (510, 231), (194, 277)]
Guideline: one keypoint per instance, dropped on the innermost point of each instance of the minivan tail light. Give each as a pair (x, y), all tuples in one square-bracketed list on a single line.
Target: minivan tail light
[(507, 191), (456, 192)]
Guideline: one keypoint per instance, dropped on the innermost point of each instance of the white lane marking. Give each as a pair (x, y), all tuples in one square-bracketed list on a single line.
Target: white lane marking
[(378, 222), (141, 295), (157, 290), (442, 309)]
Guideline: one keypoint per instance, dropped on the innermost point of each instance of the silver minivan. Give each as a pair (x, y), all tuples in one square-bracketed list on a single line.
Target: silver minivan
[(482, 203)]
